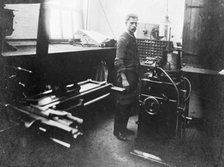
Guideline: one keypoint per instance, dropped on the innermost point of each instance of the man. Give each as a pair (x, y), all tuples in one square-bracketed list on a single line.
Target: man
[(127, 69)]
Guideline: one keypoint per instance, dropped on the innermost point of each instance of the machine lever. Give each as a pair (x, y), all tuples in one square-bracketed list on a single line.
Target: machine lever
[(117, 89), (65, 115)]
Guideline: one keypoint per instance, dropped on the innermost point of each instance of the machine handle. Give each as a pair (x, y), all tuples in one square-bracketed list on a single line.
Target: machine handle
[(117, 89)]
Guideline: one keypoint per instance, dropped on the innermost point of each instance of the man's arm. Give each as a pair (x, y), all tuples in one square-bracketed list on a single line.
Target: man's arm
[(119, 63)]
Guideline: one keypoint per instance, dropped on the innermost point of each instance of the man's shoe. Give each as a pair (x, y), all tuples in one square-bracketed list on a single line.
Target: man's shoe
[(121, 136), (129, 132)]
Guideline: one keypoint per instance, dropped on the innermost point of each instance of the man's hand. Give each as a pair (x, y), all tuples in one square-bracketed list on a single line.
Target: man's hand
[(125, 82)]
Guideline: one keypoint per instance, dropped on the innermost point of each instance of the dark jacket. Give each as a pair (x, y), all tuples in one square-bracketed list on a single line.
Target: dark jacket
[(126, 54), (127, 61)]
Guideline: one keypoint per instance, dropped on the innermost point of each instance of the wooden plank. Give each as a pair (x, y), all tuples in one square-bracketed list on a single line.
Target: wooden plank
[(21, 1), (192, 26), (43, 32), (197, 70)]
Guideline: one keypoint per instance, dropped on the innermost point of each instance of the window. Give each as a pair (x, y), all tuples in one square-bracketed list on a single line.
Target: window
[(65, 19), (22, 21)]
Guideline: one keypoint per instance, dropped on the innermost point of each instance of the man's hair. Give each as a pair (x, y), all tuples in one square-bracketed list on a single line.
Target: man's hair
[(134, 16)]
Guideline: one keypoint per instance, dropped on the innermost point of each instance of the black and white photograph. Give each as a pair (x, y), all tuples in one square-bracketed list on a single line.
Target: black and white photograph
[(111, 83)]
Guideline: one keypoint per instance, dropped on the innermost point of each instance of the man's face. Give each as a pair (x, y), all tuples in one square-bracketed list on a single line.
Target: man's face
[(132, 24)]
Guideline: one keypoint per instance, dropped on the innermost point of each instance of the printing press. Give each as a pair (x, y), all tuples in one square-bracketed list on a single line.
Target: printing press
[(165, 92), (164, 102)]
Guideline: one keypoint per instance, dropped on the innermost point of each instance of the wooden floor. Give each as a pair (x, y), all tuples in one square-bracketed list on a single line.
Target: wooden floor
[(99, 148)]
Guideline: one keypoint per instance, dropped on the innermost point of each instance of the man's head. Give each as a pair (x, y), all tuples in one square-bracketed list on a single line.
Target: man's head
[(131, 22)]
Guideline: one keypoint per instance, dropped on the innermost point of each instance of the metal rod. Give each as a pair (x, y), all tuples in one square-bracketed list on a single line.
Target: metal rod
[(96, 99)]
